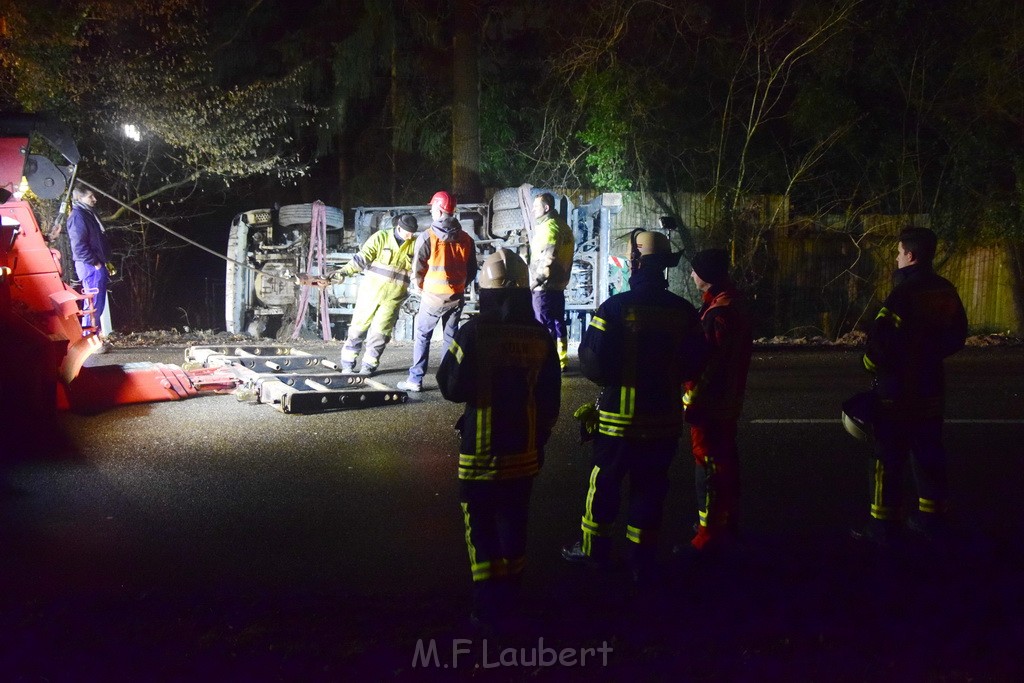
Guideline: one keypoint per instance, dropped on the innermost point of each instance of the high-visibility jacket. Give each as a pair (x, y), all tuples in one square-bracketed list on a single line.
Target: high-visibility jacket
[(718, 392), (640, 347), (444, 261), (502, 364), (385, 261), (551, 249), (921, 322)]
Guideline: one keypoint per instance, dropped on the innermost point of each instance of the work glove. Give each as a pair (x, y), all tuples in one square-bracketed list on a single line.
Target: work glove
[(307, 280), (588, 418), (688, 397)]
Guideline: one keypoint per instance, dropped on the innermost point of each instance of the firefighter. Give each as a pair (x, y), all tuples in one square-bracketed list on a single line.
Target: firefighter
[(502, 364), (551, 251), (385, 260), (921, 323), (713, 401), (640, 348), (443, 266)]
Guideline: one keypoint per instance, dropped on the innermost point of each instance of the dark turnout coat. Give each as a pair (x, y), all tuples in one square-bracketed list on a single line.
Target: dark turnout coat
[(503, 365), (641, 346), (921, 322)]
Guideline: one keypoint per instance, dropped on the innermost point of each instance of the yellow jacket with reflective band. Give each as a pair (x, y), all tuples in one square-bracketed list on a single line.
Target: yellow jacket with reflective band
[(551, 250), (507, 373), (385, 262)]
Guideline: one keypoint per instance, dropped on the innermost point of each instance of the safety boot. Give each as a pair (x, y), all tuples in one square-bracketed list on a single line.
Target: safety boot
[(599, 556), (877, 532), (348, 368), (929, 526), (368, 370), (562, 346)]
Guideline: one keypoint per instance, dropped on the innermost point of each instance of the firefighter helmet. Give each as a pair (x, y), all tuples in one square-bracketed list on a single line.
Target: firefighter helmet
[(648, 243), (504, 269), (653, 246), (859, 413), (445, 201)]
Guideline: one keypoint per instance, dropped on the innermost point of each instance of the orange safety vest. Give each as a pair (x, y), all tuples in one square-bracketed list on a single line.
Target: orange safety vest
[(446, 265)]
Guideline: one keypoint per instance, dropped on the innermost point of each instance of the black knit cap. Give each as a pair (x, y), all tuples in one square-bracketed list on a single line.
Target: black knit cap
[(406, 221), (711, 266)]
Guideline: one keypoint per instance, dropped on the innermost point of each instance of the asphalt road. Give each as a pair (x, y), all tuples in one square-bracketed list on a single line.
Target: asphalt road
[(214, 539)]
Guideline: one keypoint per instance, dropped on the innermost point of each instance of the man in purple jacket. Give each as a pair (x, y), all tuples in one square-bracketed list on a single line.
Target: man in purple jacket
[(89, 250)]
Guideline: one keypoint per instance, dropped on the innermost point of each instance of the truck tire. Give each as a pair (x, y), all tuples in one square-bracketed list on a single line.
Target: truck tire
[(507, 222), (302, 214), (504, 199)]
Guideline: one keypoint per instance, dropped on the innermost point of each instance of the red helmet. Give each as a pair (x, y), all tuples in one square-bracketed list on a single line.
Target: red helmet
[(446, 201)]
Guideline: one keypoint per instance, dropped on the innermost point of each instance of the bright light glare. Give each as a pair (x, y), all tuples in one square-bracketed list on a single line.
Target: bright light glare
[(131, 131)]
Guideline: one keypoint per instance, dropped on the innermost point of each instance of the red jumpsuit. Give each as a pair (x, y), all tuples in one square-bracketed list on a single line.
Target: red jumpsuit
[(713, 405)]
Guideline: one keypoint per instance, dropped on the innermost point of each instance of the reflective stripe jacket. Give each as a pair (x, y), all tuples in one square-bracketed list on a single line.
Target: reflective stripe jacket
[(503, 365), (718, 392), (920, 323), (384, 260), (444, 261), (641, 346), (551, 249)]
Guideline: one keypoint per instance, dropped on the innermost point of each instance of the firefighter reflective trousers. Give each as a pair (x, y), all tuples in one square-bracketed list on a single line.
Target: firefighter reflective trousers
[(645, 462), (895, 442), (495, 515)]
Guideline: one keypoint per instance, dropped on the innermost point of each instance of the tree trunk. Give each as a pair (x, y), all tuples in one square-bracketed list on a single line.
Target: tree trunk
[(466, 103), (342, 147), (393, 96)]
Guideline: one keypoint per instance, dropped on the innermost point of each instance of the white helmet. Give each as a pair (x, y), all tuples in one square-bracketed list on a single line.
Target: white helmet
[(504, 269), (859, 413)]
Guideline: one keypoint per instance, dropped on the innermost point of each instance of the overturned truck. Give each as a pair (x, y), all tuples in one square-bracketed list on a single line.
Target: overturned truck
[(268, 247)]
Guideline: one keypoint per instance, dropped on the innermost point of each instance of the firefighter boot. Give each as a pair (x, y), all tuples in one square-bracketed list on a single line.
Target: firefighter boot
[(596, 552), (880, 533), (931, 527), (642, 565)]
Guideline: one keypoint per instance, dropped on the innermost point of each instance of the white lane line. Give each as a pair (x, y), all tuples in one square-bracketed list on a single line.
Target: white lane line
[(801, 421)]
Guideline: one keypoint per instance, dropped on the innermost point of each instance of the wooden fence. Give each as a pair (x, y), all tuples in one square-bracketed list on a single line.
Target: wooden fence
[(825, 276)]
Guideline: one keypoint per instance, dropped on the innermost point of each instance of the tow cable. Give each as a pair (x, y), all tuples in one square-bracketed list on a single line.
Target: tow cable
[(293, 280)]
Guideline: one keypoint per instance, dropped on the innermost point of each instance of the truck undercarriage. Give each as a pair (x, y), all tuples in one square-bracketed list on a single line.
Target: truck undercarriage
[(268, 247)]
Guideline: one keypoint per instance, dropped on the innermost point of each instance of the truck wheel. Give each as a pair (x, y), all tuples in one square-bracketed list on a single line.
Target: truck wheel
[(302, 214)]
